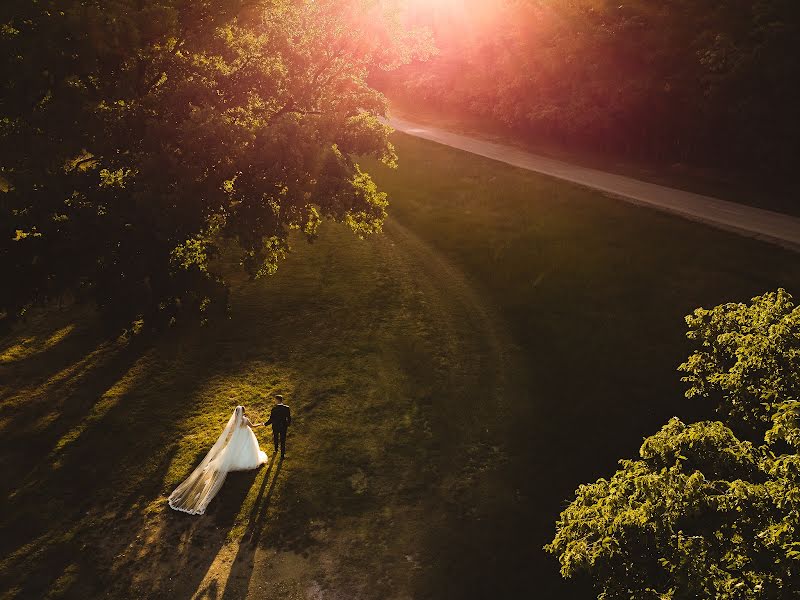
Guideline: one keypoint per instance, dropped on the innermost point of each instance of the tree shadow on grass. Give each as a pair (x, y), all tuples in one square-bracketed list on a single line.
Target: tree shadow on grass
[(77, 511), (28, 442), (69, 563), (173, 551), (62, 343), (46, 331)]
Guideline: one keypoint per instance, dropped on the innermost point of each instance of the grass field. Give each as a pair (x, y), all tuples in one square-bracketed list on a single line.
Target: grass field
[(745, 186), (452, 381)]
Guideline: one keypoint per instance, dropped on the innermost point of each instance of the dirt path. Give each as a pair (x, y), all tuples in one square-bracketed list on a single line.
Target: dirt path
[(770, 226)]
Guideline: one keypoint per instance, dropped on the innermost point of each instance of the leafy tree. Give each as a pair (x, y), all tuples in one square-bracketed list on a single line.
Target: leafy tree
[(747, 359), (702, 513), (136, 136)]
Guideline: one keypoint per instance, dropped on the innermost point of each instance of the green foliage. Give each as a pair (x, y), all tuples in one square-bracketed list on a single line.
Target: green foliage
[(135, 135), (701, 513), (746, 358)]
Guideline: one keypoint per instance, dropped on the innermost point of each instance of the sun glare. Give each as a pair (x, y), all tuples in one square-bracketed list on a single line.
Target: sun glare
[(459, 18)]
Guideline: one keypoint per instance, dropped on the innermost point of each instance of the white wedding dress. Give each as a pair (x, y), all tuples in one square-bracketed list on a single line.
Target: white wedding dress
[(236, 449)]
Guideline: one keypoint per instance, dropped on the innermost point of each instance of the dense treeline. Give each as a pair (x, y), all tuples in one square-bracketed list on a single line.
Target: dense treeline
[(706, 82)]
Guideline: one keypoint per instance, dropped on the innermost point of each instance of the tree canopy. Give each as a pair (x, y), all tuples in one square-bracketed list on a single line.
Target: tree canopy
[(136, 136), (746, 359), (703, 513)]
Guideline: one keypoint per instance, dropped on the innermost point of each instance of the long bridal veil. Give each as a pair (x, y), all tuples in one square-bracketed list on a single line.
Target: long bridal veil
[(193, 495)]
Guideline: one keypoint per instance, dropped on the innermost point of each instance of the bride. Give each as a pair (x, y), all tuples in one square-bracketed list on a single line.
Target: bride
[(236, 449)]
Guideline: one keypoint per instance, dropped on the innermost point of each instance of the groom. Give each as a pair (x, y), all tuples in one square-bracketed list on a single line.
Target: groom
[(280, 418)]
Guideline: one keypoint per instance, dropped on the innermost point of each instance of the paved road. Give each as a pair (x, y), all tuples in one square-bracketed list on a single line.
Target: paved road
[(767, 225)]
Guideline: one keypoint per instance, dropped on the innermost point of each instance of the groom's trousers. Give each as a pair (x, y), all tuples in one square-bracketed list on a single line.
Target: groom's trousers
[(279, 437)]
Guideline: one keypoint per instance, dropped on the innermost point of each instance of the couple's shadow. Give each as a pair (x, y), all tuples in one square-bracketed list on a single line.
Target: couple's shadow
[(244, 562), (255, 521)]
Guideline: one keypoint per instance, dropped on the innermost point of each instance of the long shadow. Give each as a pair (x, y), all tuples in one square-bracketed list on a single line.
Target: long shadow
[(188, 543), (243, 563), (82, 549), (96, 493), (255, 521), (25, 453), (32, 370), (36, 335)]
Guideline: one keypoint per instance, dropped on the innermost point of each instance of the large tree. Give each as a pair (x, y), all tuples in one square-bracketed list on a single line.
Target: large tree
[(136, 135), (703, 513)]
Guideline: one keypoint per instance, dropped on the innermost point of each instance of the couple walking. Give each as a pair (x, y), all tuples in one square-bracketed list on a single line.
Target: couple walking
[(236, 449)]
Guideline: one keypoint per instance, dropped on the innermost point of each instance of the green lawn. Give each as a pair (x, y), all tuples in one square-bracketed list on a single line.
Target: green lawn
[(736, 185), (452, 381)]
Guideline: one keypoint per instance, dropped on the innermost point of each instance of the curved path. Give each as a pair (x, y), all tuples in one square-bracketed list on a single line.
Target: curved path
[(767, 225)]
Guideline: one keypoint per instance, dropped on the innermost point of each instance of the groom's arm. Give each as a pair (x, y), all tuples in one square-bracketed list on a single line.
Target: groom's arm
[(288, 416)]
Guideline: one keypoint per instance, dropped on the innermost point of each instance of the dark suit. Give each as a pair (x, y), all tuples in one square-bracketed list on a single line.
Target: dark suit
[(280, 418)]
